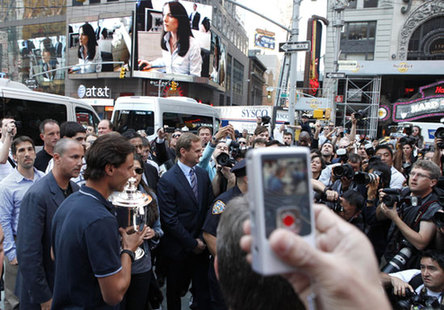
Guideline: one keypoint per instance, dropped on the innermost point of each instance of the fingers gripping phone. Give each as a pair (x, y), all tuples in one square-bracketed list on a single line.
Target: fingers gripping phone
[(280, 196)]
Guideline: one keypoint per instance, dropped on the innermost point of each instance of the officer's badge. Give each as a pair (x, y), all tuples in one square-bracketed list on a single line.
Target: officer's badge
[(218, 207)]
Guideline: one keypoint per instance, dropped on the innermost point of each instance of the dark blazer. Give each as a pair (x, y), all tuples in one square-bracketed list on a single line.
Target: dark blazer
[(35, 278), (151, 175), (195, 21), (181, 215)]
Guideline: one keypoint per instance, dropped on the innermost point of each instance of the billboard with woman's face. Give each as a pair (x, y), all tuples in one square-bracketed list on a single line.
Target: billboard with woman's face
[(173, 40), (98, 46)]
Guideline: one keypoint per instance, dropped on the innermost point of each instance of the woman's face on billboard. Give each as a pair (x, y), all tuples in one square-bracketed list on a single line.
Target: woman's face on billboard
[(83, 37), (170, 23)]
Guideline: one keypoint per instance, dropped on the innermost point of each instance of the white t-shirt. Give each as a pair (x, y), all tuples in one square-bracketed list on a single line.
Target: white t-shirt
[(407, 275), (5, 168), (397, 179)]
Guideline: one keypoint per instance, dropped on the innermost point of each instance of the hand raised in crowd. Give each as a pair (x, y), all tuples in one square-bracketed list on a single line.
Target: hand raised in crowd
[(332, 195), (342, 259), (11, 129), (225, 131), (353, 119), (200, 247), (372, 189), (131, 241), (161, 134)]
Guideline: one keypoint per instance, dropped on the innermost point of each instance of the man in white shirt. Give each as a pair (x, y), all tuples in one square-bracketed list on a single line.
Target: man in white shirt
[(428, 280), (385, 152)]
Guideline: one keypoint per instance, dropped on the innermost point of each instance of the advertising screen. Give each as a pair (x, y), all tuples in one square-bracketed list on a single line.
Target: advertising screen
[(173, 40), (111, 51)]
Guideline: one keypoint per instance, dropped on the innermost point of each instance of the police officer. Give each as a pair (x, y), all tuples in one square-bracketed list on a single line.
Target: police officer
[(210, 227)]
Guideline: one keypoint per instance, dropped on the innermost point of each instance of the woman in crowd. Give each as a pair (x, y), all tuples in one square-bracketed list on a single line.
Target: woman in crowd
[(89, 53), (404, 157), (180, 51), (317, 164), (141, 271), (416, 134)]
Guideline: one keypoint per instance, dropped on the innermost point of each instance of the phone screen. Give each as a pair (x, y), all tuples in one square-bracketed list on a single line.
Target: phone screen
[(286, 194)]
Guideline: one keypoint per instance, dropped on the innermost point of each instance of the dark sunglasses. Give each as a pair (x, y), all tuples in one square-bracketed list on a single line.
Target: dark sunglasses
[(138, 170), (242, 142), (176, 136)]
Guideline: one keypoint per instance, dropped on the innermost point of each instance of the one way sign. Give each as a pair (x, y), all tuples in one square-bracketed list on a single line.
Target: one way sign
[(290, 47)]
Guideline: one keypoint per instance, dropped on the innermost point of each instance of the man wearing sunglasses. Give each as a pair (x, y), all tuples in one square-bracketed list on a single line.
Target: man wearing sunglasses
[(412, 217)]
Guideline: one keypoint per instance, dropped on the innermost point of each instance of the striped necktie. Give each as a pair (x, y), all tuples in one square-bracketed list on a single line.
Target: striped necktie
[(193, 179)]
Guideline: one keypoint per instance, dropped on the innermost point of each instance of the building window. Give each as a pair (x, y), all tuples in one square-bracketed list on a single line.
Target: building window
[(370, 3), (238, 77), (427, 41), (358, 40), (352, 4)]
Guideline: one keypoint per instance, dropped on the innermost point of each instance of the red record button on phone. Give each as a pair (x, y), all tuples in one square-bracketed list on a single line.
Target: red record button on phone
[(288, 220)]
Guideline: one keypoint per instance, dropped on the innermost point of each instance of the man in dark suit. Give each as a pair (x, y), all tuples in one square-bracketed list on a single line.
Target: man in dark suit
[(35, 279), (195, 18), (184, 194)]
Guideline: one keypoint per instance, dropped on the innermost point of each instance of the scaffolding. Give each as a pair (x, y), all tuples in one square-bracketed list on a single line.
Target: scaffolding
[(361, 94)]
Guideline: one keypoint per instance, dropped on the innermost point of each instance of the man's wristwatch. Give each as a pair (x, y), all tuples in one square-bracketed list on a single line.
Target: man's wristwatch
[(130, 253)]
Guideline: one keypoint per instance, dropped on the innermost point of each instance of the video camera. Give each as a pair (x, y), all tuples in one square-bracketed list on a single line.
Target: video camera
[(225, 160), (342, 154), (265, 120), (360, 115)]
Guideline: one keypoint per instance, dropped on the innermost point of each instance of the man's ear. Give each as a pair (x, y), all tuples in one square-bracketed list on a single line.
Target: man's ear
[(109, 169), (42, 136), (216, 268)]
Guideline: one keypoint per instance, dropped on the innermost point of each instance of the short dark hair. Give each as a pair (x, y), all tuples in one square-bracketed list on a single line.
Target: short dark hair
[(259, 141), (70, 129), (205, 127), (19, 140), (384, 147), (435, 255), (107, 149), (273, 142), (185, 141), (354, 158), (46, 121), (260, 129), (288, 133), (131, 134), (238, 281), (110, 125), (354, 198)]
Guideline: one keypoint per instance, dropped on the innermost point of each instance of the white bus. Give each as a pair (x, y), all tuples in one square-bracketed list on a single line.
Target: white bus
[(29, 108), (152, 113)]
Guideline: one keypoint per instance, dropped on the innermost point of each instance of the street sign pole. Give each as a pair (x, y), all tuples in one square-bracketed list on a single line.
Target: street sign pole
[(293, 62)]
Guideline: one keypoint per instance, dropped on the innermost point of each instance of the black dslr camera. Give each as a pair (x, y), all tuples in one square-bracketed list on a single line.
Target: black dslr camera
[(225, 160), (343, 171), (439, 134), (359, 115), (438, 219), (391, 197), (416, 301), (366, 178)]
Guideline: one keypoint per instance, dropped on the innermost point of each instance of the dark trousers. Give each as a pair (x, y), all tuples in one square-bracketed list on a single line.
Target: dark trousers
[(179, 274), (217, 299), (136, 296)]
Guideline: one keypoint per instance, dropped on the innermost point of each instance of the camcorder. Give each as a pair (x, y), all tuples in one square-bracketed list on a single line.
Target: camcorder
[(265, 120), (366, 177), (280, 195), (369, 149), (343, 171), (439, 134), (360, 115)]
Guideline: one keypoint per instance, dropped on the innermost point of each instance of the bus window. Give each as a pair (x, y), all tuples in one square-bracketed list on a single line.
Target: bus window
[(131, 119), (86, 118), (29, 114), (192, 122)]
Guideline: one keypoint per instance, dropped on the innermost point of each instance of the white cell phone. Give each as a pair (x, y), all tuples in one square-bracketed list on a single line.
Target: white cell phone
[(280, 196)]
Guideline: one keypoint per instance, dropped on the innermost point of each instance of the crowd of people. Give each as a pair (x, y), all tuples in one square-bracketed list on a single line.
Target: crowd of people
[(380, 227)]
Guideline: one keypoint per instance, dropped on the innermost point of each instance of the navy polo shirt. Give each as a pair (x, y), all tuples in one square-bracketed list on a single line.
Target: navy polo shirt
[(86, 244)]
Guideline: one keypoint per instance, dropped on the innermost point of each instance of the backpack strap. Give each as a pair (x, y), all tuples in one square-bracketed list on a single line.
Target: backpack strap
[(416, 281)]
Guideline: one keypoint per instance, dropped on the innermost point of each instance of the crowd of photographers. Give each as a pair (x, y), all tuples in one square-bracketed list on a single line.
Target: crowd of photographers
[(390, 189)]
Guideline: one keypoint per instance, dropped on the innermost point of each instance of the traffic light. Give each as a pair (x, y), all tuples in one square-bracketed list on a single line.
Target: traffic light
[(122, 72), (173, 86), (269, 95)]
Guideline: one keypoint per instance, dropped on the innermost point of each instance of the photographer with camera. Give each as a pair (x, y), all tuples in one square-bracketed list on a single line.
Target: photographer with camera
[(422, 287), (8, 130), (411, 217), (352, 203), (439, 148), (385, 153)]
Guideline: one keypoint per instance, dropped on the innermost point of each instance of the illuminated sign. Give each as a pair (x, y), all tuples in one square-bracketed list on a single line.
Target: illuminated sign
[(431, 103)]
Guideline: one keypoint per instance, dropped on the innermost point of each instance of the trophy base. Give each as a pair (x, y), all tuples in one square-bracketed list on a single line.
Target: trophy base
[(139, 253)]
